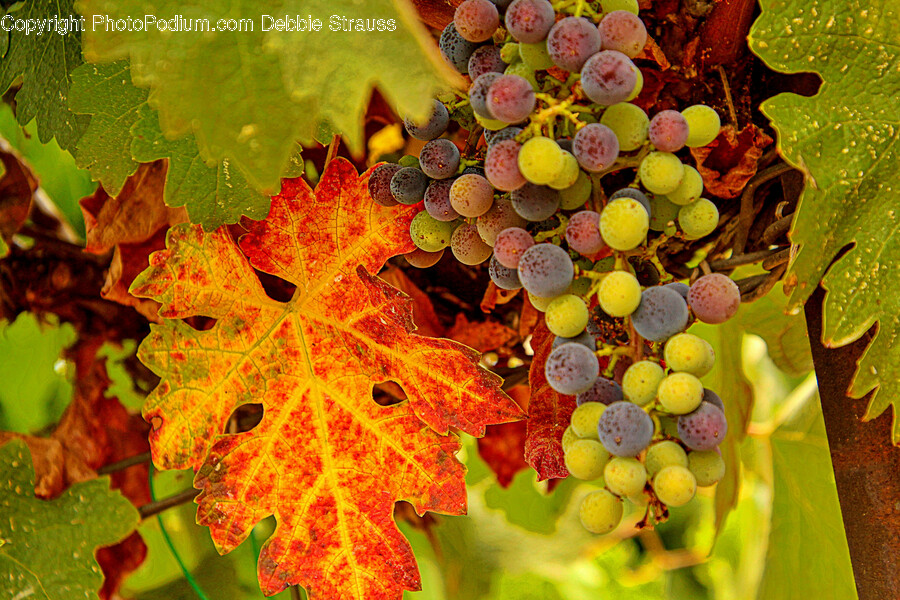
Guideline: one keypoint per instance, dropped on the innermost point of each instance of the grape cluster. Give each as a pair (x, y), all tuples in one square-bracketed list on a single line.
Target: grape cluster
[(551, 87)]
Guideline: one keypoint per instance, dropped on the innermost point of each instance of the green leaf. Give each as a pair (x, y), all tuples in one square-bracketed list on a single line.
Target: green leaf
[(48, 546), (785, 335), (249, 95), (45, 63), (527, 503), (845, 139)]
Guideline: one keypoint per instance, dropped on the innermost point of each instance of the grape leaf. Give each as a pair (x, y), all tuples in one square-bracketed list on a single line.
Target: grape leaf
[(845, 140), (45, 63), (270, 88), (326, 460), (36, 561)]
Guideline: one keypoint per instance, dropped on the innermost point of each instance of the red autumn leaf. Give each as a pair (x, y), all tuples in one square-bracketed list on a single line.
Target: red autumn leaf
[(326, 460), (549, 413), (424, 314), (494, 296), (503, 446), (484, 336), (17, 185), (730, 160)]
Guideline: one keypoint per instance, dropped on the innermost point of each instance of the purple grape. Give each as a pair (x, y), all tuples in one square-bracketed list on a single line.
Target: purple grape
[(408, 185), (644, 271), (703, 429), (437, 200), (668, 131), (476, 20), (571, 42), (510, 98), (546, 270), (634, 194), (486, 60), (502, 4), (625, 429), (571, 369), (623, 31), (456, 49), (681, 288), (713, 398), (478, 93), (503, 277), (473, 170), (606, 391), (439, 159), (661, 314), (529, 21), (501, 166), (583, 232), (507, 133), (584, 338), (714, 298), (608, 77), (535, 202), (564, 144), (435, 127), (510, 244), (595, 147), (380, 184)]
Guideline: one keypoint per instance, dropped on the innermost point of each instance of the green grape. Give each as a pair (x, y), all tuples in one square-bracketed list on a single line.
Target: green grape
[(429, 234), (540, 160), (629, 123), (638, 86), (689, 353), (538, 302), (619, 293), (624, 224), (569, 174), (664, 454), (566, 316), (610, 5), (703, 125), (707, 466), (569, 437), (575, 196), (579, 286), (600, 511), (698, 219), (536, 56), (585, 418), (661, 172), (624, 476), (604, 265), (690, 188), (492, 124), (586, 459), (662, 212), (680, 393), (640, 382), (674, 486), (522, 70)]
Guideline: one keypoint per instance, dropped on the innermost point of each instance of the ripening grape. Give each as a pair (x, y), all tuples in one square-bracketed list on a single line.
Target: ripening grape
[(510, 99), (529, 21), (583, 232), (546, 270), (624, 476), (575, 196), (595, 147), (600, 512), (713, 398), (624, 224), (571, 42), (501, 165), (456, 49), (499, 217), (507, 133), (605, 391), (634, 194), (571, 369), (380, 184), (522, 70), (568, 176), (703, 428), (689, 353), (568, 438), (476, 20), (661, 172), (698, 219), (428, 233), (661, 314), (535, 56), (434, 127), (503, 277), (690, 188), (471, 195), (625, 429), (467, 246), (408, 185), (566, 316), (534, 202), (623, 31), (609, 6), (680, 393), (619, 294), (714, 298), (584, 338), (674, 485), (664, 454), (629, 123), (540, 160), (704, 125), (437, 200), (439, 159), (585, 418), (478, 93), (609, 77), (421, 259), (510, 244), (668, 131), (640, 382), (486, 59), (707, 466)]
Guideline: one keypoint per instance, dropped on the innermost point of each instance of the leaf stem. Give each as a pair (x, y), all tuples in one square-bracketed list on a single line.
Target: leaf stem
[(157, 506), (124, 464)]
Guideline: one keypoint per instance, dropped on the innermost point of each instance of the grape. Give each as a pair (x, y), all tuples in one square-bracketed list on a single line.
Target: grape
[(434, 127), (585, 418), (568, 176), (437, 200), (571, 369), (486, 59), (680, 393), (380, 184), (510, 98), (624, 223), (503, 277), (640, 382), (609, 6), (664, 454), (546, 270), (467, 245), (421, 259), (565, 143), (689, 353), (600, 512), (674, 485), (623, 31), (625, 476), (500, 217), (540, 304), (507, 133), (568, 438), (428, 233), (629, 123), (595, 146), (439, 159), (529, 21), (586, 459), (634, 194), (535, 56), (644, 271), (707, 466), (584, 338), (625, 429), (502, 4), (408, 185), (661, 314), (583, 232), (571, 42), (661, 172), (619, 294), (605, 391), (714, 298), (704, 428), (510, 244), (703, 123), (713, 398), (456, 49), (525, 72), (535, 202), (471, 195), (566, 316), (576, 195), (608, 77), (698, 219), (476, 20), (638, 86), (478, 93), (690, 188), (540, 160), (501, 166), (668, 131), (580, 286)]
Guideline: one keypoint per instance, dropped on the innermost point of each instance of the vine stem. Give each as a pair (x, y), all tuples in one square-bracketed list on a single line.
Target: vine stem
[(157, 506)]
